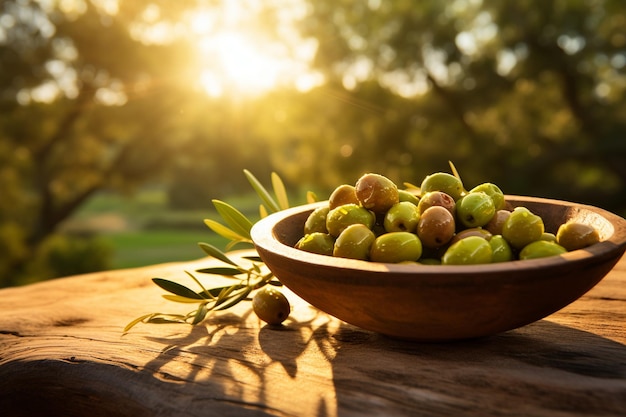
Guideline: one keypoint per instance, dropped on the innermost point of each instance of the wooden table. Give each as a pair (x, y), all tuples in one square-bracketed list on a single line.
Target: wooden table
[(63, 352)]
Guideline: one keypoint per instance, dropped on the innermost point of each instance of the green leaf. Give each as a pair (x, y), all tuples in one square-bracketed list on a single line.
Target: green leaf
[(311, 197), (179, 299), (280, 191), (263, 211), (220, 270), (454, 171), (167, 319), (253, 258), (137, 321), (177, 289), (222, 230), (262, 192), (200, 314), (232, 300), (233, 218), (216, 253)]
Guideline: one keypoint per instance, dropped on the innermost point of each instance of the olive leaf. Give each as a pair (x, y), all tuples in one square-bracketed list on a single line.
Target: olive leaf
[(280, 191), (234, 218), (176, 289), (265, 196), (236, 228)]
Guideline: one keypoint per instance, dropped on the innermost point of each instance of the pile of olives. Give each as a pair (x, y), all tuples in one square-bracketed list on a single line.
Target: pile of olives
[(438, 223)]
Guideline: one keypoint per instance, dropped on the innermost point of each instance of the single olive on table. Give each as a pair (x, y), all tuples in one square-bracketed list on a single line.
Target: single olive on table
[(438, 223)]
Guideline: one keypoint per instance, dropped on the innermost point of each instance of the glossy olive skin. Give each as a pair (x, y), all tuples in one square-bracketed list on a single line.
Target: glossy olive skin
[(402, 217), (406, 195), (341, 217), (395, 247), (442, 181), (494, 226), (271, 305), (376, 192), (344, 194), (493, 191), (472, 231), (541, 249), (316, 222), (475, 209), (354, 242), (573, 236), (437, 198), (317, 242), (472, 250), (522, 227), (500, 249), (436, 227)]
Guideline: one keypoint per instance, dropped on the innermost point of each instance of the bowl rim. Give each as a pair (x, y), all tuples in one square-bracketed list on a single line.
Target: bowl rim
[(264, 237)]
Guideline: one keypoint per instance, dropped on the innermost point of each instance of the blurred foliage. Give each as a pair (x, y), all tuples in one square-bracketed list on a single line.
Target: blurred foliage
[(526, 94)]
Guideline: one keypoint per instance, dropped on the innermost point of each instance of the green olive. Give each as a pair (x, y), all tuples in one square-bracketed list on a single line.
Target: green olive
[(522, 227), (500, 249), (469, 251), (354, 242), (541, 249), (442, 181), (573, 235), (396, 247), (401, 217), (317, 242), (343, 216), (316, 222), (271, 305), (475, 209), (492, 191), (406, 195)]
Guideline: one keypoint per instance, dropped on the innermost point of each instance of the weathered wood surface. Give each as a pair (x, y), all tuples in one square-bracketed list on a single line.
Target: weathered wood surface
[(62, 352)]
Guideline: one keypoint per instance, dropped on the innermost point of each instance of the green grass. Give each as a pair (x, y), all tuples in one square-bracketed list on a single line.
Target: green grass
[(148, 247), (155, 233)]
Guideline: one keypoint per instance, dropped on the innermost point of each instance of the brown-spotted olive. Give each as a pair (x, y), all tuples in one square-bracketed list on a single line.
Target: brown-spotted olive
[(376, 192)]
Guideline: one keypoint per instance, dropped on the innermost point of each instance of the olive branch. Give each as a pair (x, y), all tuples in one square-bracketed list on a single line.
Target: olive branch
[(248, 278)]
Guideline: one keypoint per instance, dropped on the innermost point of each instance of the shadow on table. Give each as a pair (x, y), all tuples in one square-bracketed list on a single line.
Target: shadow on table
[(543, 368), (539, 367)]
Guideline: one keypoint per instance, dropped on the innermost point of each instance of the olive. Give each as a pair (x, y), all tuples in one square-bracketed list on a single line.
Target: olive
[(376, 192), (343, 216), (344, 194), (497, 221), (406, 195), (522, 227), (573, 235), (549, 237), (394, 247), (436, 198), (316, 242), (475, 209), (541, 249), (354, 242), (473, 231), (442, 181), (316, 222), (271, 305), (469, 251), (436, 227), (492, 191), (500, 249), (401, 217)]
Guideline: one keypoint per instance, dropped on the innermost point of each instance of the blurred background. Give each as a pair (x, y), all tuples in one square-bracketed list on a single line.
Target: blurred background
[(121, 120)]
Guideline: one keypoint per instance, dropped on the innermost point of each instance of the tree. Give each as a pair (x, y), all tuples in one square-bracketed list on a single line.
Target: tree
[(529, 95)]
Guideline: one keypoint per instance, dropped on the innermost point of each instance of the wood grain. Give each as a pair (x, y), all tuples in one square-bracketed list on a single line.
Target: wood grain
[(63, 353)]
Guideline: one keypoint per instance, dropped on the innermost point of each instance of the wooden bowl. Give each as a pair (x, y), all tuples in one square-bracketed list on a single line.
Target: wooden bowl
[(437, 302)]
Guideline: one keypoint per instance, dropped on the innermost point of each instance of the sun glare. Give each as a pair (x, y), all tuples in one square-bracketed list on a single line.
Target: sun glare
[(234, 58), (234, 62)]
